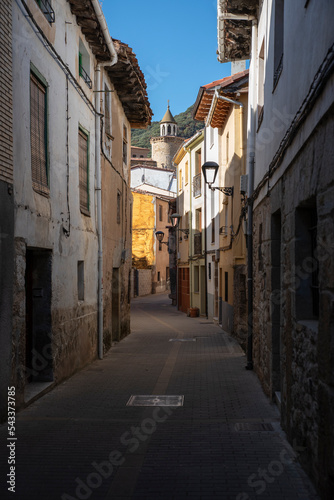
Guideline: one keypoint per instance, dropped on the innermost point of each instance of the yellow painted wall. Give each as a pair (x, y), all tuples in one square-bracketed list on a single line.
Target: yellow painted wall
[(143, 224)]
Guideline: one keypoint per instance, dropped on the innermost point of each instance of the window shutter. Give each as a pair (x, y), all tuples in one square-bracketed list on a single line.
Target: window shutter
[(83, 172), (38, 135)]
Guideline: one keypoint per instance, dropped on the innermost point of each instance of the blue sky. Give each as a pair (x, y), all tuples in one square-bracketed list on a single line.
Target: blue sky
[(175, 42)]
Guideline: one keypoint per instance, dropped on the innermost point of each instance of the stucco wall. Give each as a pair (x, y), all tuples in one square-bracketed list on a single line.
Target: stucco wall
[(54, 222), (143, 244)]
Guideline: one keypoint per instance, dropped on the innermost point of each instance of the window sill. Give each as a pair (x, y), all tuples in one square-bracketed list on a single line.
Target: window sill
[(43, 192), (85, 212), (310, 324)]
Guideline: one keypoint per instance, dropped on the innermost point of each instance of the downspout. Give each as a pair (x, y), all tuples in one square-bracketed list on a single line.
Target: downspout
[(251, 162), (205, 235), (104, 27)]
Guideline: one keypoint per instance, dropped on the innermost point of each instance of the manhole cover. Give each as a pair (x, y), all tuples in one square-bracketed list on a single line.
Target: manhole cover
[(251, 426), (182, 340), (155, 401)]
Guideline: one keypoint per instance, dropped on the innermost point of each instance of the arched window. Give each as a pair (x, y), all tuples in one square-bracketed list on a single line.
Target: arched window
[(163, 130), (168, 130)]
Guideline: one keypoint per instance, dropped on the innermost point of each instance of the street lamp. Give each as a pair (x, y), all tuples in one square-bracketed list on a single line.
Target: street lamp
[(160, 236), (210, 170), (176, 217)]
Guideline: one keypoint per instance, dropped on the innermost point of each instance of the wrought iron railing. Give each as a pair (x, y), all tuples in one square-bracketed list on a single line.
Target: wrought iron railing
[(198, 244), (85, 76), (197, 185), (47, 10), (278, 71)]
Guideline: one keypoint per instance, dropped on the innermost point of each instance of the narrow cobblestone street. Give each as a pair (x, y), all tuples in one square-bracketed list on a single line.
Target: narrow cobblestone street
[(82, 440)]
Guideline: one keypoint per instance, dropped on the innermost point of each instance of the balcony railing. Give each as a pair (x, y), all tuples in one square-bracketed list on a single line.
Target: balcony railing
[(197, 185), (198, 244), (47, 10), (85, 76)]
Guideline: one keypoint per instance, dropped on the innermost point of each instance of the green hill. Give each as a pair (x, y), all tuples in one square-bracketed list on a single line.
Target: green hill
[(187, 127)]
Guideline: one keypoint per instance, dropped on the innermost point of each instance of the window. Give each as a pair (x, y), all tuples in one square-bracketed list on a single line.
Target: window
[(83, 172), (81, 280), (198, 220), (196, 279), (306, 263), (134, 156), (180, 180), (212, 136), (119, 207), (46, 8), (198, 161), (213, 230), (84, 64), (38, 134), (260, 97), (158, 275), (160, 213), (186, 173), (168, 130), (226, 287), (209, 269), (125, 145), (278, 40), (107, 110)]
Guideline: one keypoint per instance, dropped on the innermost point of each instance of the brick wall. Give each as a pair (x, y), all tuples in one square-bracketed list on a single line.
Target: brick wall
[(6, 96)]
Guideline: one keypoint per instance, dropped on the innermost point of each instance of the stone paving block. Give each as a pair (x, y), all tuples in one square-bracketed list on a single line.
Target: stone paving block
[(208, 448)]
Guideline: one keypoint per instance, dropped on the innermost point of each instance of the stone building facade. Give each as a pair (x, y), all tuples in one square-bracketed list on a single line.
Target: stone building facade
[(290, 215)]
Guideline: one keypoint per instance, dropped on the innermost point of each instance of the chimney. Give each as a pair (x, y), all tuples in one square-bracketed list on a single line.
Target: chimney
[(237, 66)]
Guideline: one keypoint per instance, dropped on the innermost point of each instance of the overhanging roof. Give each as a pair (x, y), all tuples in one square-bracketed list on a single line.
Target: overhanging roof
[(126, 75), (234, 27), (229, 86), (129, 82)]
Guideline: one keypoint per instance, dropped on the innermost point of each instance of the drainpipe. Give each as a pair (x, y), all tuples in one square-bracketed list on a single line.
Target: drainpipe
[(205, 234), (251, 162), (104, 27)]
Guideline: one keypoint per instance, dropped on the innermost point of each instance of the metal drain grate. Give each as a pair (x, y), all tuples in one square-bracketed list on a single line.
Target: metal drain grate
[(251, 426), (155, 401), (182, 340)]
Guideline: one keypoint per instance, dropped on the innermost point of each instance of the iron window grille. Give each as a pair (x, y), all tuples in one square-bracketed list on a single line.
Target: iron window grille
[(278, 71), (47, 10), (83, 74), (197, 243), (197, 185)]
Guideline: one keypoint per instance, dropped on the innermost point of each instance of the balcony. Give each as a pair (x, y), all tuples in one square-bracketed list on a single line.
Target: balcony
[(197, 185), (85, 76), (198, 244), (47, 10)]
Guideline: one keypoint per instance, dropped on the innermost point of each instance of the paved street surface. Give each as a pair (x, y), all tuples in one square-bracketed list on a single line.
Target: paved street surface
[(82, 441)]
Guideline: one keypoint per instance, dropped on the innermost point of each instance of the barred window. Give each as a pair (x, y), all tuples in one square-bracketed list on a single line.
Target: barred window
[(119, 207), (38, 135), (83, 172)]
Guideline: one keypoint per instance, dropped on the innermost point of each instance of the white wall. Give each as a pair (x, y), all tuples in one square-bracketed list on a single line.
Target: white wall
[(155, 177), (40, 220), (308, 34)]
